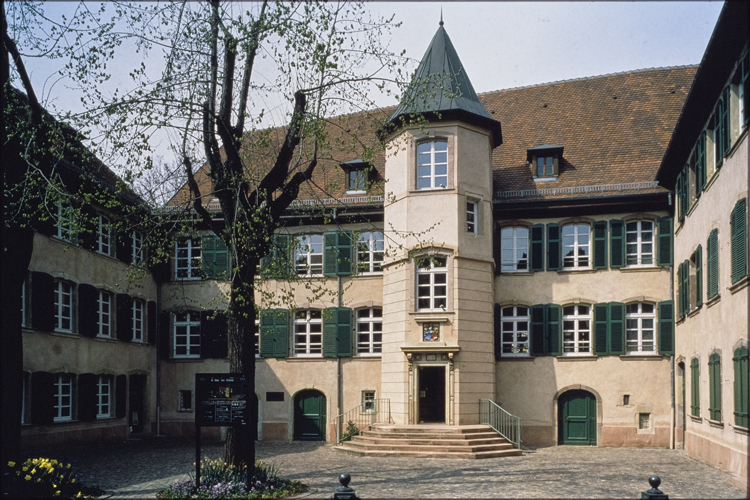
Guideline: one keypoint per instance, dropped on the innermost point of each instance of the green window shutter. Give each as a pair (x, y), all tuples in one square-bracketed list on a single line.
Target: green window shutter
[(554, 247), (680, 292), (151, 317), (600, 244), (617, 243), (554, 329), (214, 335), (346, 253), (712, 249), (88, 310), (538, 315), (498, 331), (124, 308), (738, 223), (120, 395), (537, 247), (42, 301), (740, 359), (664, 242), (695, 394), (686, 281), (42, 398), (700, 164), (616, 327), (746, 88), (330, 254), (344, 331), (725, 121), (666, 327), (330, 332), (214, 257), (600, 329), (678, 188), (714, 387), (274, 333), (276, 264), (699, 276), (87, 397)]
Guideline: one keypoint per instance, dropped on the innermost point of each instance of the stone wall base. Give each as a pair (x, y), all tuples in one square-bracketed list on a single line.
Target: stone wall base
[(544, 435), (275, 431), (187, 429), (41, 438), (729, 459)]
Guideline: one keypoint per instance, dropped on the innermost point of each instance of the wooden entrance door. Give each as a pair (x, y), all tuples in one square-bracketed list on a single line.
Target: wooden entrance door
[(431, 394), (577, 418), (310, 416)]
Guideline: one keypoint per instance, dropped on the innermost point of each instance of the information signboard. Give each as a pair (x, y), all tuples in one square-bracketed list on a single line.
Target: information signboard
[(221, 399)]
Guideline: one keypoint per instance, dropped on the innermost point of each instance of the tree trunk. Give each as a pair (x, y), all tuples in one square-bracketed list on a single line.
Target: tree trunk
[(240, 444)]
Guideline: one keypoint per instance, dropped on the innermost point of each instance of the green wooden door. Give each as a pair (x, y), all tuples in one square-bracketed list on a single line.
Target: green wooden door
[(310, 416), (577, 418)]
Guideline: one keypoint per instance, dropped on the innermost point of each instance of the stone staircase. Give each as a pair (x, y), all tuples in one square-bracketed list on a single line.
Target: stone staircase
[(430, 441)]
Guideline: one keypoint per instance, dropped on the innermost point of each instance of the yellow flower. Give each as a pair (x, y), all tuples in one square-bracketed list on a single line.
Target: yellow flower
[(78, 495), (25, 469), (54, 485), (11, 464), (73, 480), (39, 480), (27, 478), (33, 471), (57, 492)]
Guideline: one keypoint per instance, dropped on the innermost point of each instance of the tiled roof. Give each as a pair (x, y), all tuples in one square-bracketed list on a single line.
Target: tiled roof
[(614, 130)]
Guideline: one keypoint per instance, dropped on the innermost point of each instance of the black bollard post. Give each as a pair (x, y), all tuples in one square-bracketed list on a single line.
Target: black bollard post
[(654, 493), (344, 492)]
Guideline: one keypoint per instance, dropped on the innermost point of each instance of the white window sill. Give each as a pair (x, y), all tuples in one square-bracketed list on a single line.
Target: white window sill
[(740, 285), (355, 192), (713, 300), (187, 359), (717, 424), (635, 269), (63, 333), (578, 270), (101, 338), (197, 278), (369, 355), (517, 273), (438, 316), (577, 357), (640, 356), (545, 179)]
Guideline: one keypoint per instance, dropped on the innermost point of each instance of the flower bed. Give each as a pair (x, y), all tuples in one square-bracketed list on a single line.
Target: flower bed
[(44, 478)]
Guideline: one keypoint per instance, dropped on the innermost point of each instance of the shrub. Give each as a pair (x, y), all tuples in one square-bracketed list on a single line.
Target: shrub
[(351, 430), (44, 478), (221, 480)]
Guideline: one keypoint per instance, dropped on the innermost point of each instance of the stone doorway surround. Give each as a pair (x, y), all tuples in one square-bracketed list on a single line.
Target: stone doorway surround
[(555, 423), (431, 355)]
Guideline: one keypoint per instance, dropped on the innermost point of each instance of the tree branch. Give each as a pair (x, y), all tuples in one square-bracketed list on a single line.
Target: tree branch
[(250, 53)]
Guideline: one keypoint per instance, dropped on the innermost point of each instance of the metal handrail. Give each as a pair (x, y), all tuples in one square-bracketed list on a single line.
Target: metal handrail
[(363, 417), (505, 424)]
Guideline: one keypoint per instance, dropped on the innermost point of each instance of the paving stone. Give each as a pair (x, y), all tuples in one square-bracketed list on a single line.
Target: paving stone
[(139, 469)]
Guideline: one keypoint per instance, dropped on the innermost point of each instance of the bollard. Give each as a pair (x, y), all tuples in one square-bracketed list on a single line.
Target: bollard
[(344, 492), (654, 493)]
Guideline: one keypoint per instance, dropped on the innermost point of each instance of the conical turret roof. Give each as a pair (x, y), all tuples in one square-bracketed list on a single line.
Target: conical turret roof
[(441, 89)]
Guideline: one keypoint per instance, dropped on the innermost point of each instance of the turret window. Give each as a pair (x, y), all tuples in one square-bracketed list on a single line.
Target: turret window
[(432, 165), (432, 284)]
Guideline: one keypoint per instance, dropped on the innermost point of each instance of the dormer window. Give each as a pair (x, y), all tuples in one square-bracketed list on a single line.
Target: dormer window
[(356, 172), (544, 161)]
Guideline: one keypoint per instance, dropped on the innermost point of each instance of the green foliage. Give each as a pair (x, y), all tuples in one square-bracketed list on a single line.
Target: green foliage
[(351, 430), (221, 480), (44, 478)]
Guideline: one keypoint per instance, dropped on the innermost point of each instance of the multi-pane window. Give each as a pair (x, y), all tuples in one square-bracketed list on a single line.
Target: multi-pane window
[(515, 249), (369, 331), (308, 333), (370, 248), (368, 400), (104, 313), (65, 222), (471, 216), (639, 243), (576, 246), (104, 397), (63, 306), (515, 331), (104, 236), (137, 247), (576, 330), (545, 166), (639, 330), (187, 335), (256, 338), (187, 259), (432, 165), (138, 320), (355, 180), (308, 255), (63, 408), (432, 281)]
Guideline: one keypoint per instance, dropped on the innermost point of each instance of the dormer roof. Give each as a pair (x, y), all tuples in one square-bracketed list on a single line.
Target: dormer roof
[(441, 89)]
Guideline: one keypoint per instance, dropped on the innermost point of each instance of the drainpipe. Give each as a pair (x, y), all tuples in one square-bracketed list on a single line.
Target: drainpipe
[(673, 430), (158, 359), (339, 388)]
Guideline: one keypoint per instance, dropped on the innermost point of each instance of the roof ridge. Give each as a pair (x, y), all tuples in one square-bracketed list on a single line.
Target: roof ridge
[(582, 78)]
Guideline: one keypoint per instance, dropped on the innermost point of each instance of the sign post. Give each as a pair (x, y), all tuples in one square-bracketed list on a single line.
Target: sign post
[(221, 399)]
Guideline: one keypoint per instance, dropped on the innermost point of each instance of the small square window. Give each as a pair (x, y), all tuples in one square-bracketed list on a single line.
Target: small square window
[(275, 397), (186, 400), (356, 180), (368, 400), (544, 161), (626, 399), (644, 421)]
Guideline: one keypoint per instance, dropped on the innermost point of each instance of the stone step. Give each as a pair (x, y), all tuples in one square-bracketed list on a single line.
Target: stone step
[(429, 435), (428, 448), (421, 441), (432, 454), (433, 429)]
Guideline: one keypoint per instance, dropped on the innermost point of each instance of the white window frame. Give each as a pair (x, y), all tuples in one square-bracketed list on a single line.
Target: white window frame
[(640, 255), (472, 217), (188, 339), (516, 326), (137, 247), (574, 324), (575, 262), (104, 396), (65, 222), (308, 255), (104, 314), (356, 181), (369, 325), (370, 251), (63, 397), (432, 283), (513, 242), (64, 306), (187, 259), (308, 333), (431, 167), (104, 236), (636, 325), (138, 317), (256, 334), (368, 400)]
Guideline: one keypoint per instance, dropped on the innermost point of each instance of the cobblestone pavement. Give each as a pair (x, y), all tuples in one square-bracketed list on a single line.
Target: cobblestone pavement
[(138, 469)]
